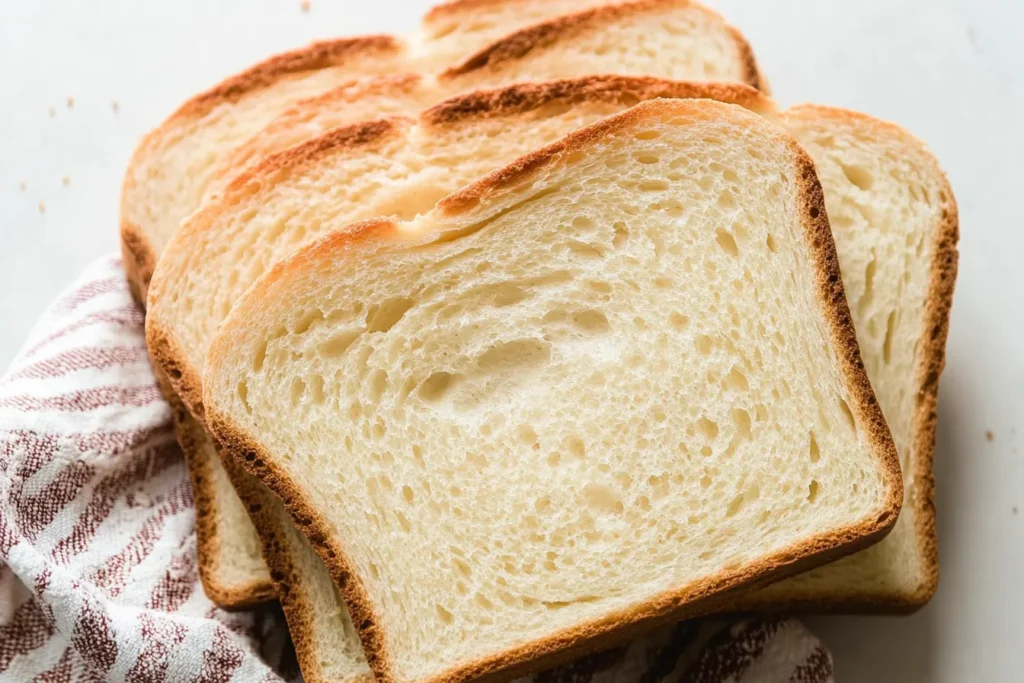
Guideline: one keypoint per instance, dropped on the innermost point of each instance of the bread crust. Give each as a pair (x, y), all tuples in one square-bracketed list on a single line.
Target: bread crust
[(622, 90), (930, 363), (139, 255), (701, 598), (516, 45)]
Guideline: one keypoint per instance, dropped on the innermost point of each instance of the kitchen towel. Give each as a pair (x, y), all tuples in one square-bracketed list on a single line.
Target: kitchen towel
[(98, 576)]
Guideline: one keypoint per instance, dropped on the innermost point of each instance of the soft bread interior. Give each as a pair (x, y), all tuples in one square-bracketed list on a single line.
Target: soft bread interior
[(891, 208), (641, 396)]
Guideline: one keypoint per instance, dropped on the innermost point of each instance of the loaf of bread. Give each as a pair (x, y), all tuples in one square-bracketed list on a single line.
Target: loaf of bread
[(652, 398)]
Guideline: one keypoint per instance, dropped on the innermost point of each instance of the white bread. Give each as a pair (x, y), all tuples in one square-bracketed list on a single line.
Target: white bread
[(468, 123), (673, 38), (387, 167), (892, 191), (895, 224), (170, 171), (603, 387)]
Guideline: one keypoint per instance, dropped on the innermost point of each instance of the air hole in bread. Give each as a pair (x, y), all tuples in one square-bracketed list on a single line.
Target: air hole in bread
[(444, 614), (306, 321), (647, 158), (575, 447), (847, 414), (298, 388), (621, 234), (869, 286), (434, 387), (527, 436), (812, 491), (860, 177), (678, 321), (703, 344), (741, 418), (890, 333), (602, 498), (770, 243), (316, 386), (727, 242), (382, 317), (515, 355), (243, 395), (651, 134), (815, 452), (653, 185), (583, 249), (815, 212), (336, 345), (378, 384)]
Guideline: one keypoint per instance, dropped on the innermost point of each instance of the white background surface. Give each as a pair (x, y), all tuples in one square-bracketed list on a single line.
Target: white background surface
[(949, 70)]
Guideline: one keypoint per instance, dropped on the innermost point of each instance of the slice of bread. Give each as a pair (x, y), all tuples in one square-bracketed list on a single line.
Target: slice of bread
[(883, 189), (170, 172), (389, 167), (546, 446), (895, 224)]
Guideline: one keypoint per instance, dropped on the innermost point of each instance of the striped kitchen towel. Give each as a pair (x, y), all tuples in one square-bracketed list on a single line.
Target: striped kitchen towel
[(98, 576)]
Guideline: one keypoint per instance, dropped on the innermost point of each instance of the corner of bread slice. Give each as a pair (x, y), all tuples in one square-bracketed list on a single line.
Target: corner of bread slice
[(155, 157), (289, 365), (692, 41), (326, 644)]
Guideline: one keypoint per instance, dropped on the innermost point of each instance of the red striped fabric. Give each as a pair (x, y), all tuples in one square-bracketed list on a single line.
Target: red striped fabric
[(98, 575)]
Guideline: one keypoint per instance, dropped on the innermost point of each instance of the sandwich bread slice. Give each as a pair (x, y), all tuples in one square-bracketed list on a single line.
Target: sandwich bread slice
[(653, 399)]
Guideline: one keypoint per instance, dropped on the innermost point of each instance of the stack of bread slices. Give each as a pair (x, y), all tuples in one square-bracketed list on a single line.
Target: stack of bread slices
[(521, 336)]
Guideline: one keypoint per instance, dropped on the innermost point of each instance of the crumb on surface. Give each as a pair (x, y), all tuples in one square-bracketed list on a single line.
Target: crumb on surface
[(305, 5), (22, 185), (53, 112), (42, 207), (115, 106), (65, 181), (989, 435), (70, 101), (1014, 509)]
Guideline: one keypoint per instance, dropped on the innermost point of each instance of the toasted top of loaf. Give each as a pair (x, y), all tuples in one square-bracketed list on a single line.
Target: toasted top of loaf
[(895, 224), (395, 166), (600, 387), (172, 169), (666, 38)]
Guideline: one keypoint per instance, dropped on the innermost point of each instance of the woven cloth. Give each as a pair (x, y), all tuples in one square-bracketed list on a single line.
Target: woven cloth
[(98, 576)]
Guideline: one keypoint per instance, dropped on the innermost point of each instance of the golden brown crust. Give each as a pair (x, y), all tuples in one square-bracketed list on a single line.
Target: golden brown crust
[(207, 542), (140, 255), (289, 579), (459, 7), (313, 57), (695, 600), (139, 260), (625, 91), (541, 35)]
